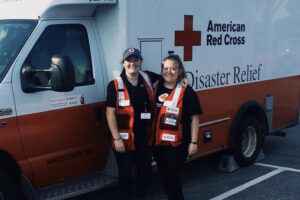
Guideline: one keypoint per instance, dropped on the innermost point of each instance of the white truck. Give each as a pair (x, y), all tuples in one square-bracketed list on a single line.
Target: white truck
[(57, 57)]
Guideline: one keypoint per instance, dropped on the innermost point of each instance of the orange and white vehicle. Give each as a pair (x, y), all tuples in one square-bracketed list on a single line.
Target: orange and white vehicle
[(57, 57)]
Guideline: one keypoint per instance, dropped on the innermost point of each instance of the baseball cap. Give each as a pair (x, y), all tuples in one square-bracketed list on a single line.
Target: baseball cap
[(131, 52)]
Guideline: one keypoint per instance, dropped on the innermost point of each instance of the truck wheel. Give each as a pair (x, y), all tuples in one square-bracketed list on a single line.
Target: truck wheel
[(248, 143), (8, 188), (27, 189)]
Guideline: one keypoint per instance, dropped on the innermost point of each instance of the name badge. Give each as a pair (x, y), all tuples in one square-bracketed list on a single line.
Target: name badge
[(124, 103), (121, 95), (124, 136), (173, 110), (168, 137), (145, 115), (168, 103), (170, 121)]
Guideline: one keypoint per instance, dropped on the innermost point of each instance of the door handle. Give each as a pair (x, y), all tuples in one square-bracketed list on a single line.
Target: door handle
[(3, 124)]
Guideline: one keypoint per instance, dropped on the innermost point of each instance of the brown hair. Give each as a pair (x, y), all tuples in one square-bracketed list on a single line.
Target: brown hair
[(177, 59)]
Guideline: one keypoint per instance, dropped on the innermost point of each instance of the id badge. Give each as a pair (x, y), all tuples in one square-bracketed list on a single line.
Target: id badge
[(170, 120), (171, 116), (173, 110), (168, 103), (124, 136), (124, 103), (145, 115), (168, 137)]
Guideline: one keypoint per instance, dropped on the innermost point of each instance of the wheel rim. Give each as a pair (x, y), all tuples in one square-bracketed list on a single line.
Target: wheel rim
[(249, 141)]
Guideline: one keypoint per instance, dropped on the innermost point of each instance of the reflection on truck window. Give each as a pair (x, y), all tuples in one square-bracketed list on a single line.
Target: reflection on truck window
[(67, 40), (13, 34)]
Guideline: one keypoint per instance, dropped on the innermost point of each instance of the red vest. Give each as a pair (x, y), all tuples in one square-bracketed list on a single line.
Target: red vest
[(168, 123), (125, 111)]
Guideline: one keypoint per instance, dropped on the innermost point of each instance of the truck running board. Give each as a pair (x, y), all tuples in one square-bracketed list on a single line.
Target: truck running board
[(83, 184), (76, 186)]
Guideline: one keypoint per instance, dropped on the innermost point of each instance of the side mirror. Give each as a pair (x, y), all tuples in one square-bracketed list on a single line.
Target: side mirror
[(62, 74), (59, 77)]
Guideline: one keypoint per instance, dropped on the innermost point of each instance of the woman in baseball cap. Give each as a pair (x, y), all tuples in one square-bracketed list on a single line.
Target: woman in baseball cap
[(129, 112), (132, 52)]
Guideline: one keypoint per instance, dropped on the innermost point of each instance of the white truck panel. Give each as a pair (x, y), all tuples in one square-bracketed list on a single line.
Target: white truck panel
[(7, 108), (111, 24), (270, 35), (34, 9), (269, 48)]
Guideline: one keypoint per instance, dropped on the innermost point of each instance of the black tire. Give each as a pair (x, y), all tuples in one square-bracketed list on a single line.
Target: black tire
[(9, 190), (249, 140), (27, 189)]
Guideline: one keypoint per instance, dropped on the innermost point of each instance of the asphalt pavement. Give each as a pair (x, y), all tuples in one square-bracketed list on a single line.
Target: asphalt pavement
[(277, 176)]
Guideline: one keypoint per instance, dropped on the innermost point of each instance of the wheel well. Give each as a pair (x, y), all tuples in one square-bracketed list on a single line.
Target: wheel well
[(251, 108), (9, 166)]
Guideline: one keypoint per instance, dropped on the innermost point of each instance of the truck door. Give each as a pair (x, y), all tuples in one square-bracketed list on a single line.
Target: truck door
[(13, 33), (63, 133)]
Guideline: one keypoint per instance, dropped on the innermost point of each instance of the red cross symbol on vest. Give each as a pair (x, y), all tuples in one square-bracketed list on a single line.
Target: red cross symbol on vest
[(188, 38)]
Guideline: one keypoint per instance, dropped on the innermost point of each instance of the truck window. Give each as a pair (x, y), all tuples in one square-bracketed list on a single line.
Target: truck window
[(65, 39), (13, 34)]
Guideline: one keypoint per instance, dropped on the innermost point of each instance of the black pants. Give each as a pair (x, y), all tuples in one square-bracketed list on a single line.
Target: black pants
[(141, 157), (170, 160)]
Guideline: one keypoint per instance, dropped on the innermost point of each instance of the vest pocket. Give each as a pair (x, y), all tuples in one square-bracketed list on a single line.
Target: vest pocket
[(165, 123)]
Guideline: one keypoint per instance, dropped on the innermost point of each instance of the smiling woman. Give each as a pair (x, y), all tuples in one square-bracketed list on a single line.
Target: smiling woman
[(171, 72), (132, 66), (177, 124), (129, 112)]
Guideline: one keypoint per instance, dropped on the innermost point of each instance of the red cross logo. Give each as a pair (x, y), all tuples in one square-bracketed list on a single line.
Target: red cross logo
[(188, 38)]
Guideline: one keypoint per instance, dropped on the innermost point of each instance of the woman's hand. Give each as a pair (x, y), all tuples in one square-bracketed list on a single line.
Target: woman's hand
[(185, 82), (112, 124), (193, 149), (194, 135), (119, 146)]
